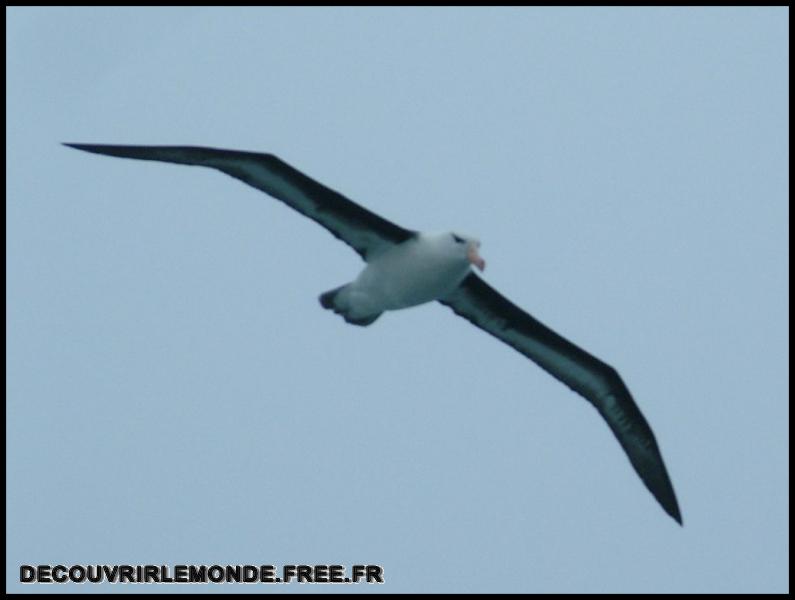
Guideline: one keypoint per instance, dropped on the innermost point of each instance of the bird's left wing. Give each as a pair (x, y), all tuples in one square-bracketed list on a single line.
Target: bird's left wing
[(596, 381), (363, 230)]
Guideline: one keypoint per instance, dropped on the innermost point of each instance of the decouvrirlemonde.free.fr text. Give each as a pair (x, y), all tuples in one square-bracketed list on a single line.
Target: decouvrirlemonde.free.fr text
[(200, 574)]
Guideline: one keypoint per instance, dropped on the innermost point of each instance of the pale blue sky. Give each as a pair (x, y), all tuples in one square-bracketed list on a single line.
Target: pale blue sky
[(177, 395)]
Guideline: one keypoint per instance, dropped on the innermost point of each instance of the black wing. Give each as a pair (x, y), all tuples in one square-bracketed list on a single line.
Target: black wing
[(364, 231), (596, 381)]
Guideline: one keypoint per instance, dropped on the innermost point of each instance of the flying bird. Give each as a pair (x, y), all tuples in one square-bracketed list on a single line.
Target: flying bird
[(405, 268)]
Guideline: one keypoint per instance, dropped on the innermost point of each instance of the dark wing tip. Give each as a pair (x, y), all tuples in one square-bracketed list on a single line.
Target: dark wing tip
[(673, 510), (668, 501), (645, 456), (648, 463), (186, 155), (96, 148)]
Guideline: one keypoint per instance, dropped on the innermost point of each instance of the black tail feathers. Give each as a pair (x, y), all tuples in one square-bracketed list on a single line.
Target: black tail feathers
[(330, 301), (327, 298)]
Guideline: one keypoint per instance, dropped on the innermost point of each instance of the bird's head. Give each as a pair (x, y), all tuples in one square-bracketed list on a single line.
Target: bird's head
[(468, 246)]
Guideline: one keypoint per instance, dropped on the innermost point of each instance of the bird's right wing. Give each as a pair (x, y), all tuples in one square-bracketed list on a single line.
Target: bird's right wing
[(597, 382), (363, 230)]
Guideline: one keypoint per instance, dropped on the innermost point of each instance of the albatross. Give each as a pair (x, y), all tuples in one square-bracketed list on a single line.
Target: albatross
[(406, 268)]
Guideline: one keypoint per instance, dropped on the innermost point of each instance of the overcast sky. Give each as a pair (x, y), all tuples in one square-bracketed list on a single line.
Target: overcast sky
[(176, 395)]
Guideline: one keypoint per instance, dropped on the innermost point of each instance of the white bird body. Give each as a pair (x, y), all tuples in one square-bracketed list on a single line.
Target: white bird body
[(420, 270)]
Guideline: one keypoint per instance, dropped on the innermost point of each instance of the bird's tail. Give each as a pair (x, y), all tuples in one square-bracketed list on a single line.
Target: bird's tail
[(335, 300)]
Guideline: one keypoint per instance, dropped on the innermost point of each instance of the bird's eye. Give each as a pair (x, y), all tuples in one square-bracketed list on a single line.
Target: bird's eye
[(458, 239)]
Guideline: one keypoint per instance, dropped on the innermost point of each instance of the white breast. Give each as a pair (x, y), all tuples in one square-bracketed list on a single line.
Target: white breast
[(412, 273)]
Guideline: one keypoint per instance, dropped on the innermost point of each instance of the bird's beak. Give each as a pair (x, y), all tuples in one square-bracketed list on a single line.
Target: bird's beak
[(475, 258)]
